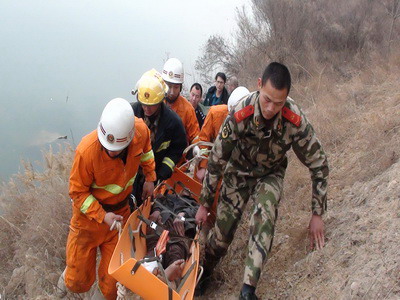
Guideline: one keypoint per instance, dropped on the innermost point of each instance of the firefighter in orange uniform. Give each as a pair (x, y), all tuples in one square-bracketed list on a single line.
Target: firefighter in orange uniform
[(173, 76), (212, 124), (104, 169)]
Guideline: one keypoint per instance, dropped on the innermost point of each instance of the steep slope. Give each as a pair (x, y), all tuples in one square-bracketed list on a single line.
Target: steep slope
[(358, 122)]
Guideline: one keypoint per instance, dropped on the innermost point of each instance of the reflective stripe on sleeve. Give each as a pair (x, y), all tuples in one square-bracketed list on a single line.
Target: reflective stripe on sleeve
[(147, 156), (88, 201), (169, 163), (114, 189), (163, 146)]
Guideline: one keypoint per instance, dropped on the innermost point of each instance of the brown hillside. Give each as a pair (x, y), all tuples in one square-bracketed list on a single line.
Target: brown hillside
[(358, 123)]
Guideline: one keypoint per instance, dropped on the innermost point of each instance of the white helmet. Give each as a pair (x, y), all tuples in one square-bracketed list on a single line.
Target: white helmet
[(117, 125), (237, 94), (173, 71)]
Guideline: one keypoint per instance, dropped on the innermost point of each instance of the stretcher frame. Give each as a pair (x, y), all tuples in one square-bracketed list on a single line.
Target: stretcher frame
[(131, 248)]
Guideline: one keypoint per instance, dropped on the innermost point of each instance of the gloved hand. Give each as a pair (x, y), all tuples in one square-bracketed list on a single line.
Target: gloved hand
[(110, 217), (196, 151)]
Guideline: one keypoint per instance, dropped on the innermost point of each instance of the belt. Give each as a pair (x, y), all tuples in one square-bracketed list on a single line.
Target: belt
[(117, 206)]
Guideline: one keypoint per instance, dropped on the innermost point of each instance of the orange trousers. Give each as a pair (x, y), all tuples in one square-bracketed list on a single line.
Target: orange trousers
[(85, 237)]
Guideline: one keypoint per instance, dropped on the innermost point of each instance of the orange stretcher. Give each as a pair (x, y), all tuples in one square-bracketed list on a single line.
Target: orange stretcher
[(131, 248)]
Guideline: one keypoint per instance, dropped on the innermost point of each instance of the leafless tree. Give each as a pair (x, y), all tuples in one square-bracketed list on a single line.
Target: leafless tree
[(309, 36)]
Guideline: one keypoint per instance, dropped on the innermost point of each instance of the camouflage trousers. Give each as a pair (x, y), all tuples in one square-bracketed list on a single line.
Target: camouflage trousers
[(264, 194)]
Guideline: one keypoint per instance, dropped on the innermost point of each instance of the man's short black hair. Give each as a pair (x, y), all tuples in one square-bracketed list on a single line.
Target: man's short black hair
[(222, 75), (279, 76), (197, 86)]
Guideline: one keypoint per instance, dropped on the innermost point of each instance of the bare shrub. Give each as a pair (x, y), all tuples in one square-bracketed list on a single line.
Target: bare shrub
[(309, 36)]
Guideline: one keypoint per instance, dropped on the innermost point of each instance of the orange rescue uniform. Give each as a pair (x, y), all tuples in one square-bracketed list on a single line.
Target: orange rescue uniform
[(213, 122), (98, 184), (186, 112), (208, 133)]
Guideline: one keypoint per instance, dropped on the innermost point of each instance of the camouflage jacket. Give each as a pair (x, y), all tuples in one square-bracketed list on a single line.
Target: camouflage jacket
[(248, 147)]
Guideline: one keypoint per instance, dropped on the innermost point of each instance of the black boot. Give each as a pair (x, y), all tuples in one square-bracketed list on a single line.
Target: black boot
[(248, 292), (248, 296)]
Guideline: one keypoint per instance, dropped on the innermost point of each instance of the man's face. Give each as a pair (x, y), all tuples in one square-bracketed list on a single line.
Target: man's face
[(174, 90), (150, 110), (219, 84), (195, 97), (271, 99)]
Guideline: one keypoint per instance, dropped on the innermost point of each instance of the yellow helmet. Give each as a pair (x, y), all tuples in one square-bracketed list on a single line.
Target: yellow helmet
[(151, 88)]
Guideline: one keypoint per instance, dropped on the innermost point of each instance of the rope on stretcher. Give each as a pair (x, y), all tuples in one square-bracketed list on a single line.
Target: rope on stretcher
[(203, 153)]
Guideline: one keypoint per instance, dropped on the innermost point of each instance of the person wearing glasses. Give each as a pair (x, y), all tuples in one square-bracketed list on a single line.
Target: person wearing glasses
[(217, 94)]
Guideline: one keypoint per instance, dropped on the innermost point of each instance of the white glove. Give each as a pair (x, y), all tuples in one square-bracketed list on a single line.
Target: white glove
[(196, 151)]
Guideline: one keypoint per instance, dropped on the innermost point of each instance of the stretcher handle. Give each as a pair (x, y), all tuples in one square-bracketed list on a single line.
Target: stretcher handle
[(201, 271)]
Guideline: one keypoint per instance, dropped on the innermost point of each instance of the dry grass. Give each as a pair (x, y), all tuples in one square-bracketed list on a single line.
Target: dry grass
[(358, 123), (35, 216)]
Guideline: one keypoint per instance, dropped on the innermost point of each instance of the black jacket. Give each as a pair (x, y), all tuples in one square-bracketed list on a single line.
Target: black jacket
[(169, 142), (222, 100)]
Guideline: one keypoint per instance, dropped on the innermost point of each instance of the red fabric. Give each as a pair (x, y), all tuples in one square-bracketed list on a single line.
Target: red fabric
[(291, 116), (244, 113)]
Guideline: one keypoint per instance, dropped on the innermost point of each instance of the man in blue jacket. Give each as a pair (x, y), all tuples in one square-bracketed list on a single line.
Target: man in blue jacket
[(217, 94)]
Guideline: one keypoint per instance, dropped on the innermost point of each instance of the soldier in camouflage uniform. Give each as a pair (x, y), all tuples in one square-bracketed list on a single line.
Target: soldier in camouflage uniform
[(250, 155)]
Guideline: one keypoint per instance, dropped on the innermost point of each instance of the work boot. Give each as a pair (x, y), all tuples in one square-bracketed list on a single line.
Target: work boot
[(61, 290), (248, 296)]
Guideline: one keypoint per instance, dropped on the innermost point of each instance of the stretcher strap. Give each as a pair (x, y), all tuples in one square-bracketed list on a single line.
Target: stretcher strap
[(186, 276), (160, 267), (183, 219), (157, 228), (132, 238), (171, 235), (172, 189), (139, 262), (184, 188)]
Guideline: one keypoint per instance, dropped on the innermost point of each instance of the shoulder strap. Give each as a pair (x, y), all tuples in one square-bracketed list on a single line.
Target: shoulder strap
[(244, 113), (291, 116)]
